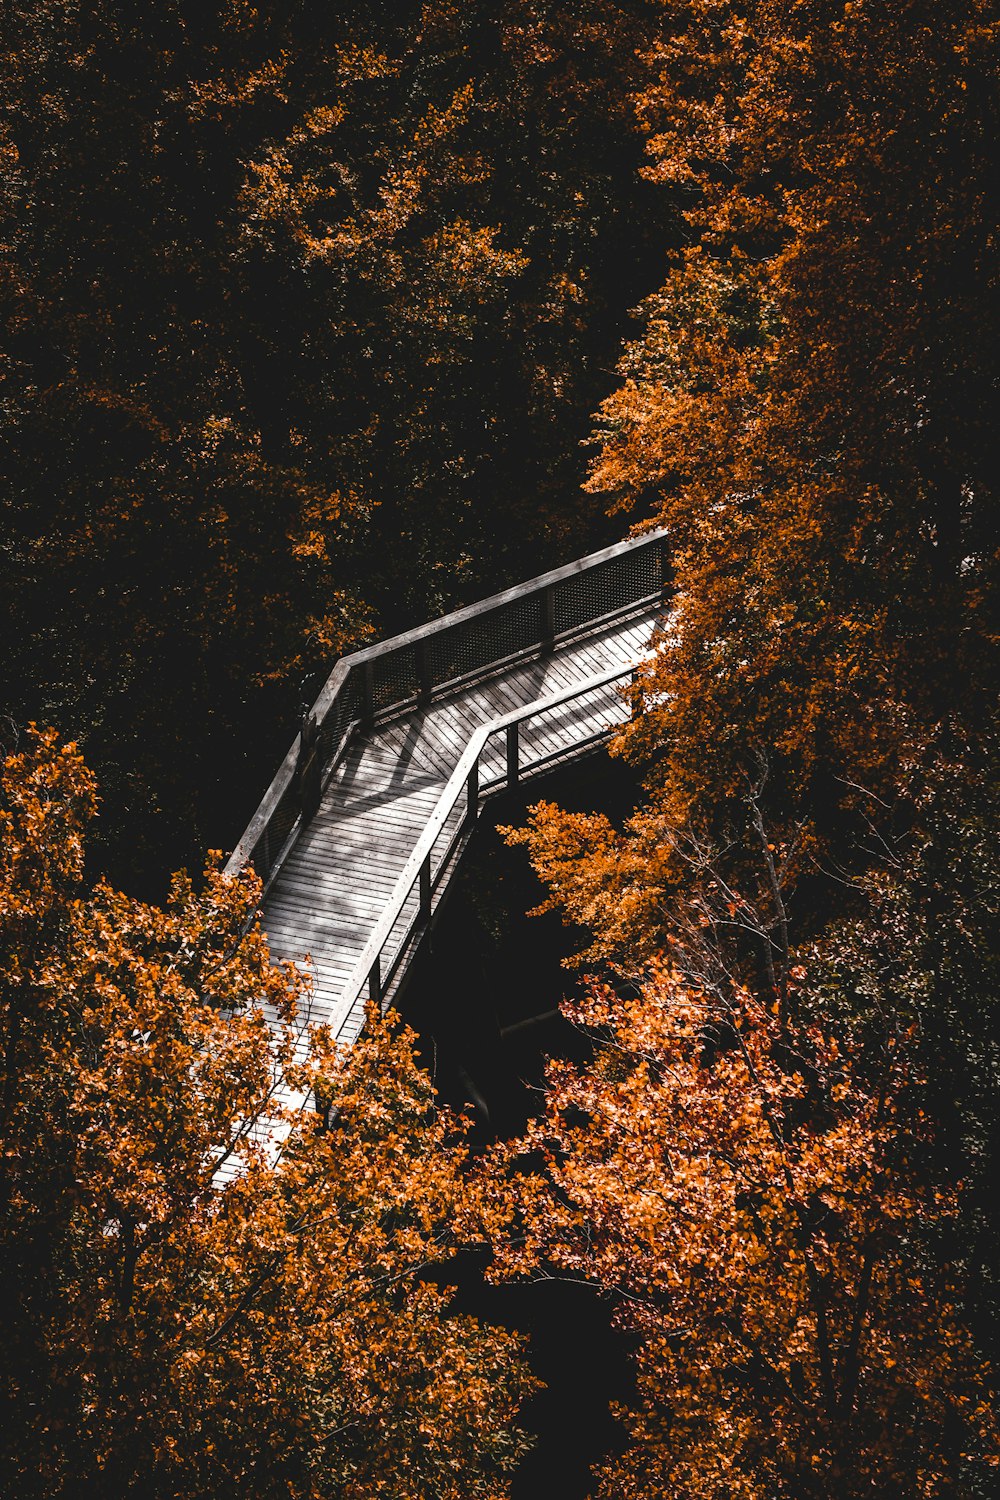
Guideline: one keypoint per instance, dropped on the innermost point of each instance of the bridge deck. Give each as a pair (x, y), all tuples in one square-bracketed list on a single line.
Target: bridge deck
[(340, 874), (362, 827)]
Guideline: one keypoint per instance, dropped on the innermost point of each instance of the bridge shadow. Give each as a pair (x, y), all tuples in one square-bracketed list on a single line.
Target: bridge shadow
[(401, 740)]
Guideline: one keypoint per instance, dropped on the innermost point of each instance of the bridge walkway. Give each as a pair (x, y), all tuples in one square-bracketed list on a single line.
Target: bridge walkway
[(363, 827)]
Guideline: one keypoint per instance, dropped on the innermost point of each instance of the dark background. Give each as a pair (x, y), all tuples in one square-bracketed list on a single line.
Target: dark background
[(487, 967)]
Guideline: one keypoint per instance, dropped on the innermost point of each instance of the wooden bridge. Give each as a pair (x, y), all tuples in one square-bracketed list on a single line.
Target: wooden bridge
[(362, 828)]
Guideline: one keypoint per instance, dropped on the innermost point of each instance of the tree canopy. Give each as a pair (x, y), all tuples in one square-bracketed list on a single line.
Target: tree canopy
[(310, 319), (809, 408), (777, 1162), (171, 1328), (305, 311)]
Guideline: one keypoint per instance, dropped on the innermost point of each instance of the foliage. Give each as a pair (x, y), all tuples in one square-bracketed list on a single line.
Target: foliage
[(809, 407), (781, 1162), (752, 1192), (305, 310), (923, 945), (169, 1331)]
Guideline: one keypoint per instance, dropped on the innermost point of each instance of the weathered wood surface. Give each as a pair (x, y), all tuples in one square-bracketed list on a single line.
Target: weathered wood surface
[(334, 885)]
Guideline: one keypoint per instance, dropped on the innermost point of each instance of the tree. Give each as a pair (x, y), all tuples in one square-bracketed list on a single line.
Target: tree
[(780, 1162), (158, 556), (172, 1331), (808, 409), (749, 1186), (305, 311)]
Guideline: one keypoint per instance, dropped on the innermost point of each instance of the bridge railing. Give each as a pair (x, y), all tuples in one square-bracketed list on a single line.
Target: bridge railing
[(414, 668), (498, 756)]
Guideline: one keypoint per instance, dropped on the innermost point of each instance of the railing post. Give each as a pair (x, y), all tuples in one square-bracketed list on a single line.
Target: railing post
[(425, 890), (375, 982), (547, 605), (513, 753), (424, 685), (664, 565), (472, 806)]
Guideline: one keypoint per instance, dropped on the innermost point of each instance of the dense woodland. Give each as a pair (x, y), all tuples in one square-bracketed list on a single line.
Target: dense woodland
[(316, 322)]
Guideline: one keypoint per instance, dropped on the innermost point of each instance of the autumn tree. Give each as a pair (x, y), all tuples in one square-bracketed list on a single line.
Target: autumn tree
[(780, 1165), (807, 412), (748, 1184), (809, 407), (188, 1309)]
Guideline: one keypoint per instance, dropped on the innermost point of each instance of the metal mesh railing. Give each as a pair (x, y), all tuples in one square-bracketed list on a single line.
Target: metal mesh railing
[(416, 667)]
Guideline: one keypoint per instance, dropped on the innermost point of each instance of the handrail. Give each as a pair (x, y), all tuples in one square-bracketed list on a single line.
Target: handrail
[(463, 781), (419, 665)]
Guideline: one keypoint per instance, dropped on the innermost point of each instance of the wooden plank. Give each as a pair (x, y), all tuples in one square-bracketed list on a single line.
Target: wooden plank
[(560, 673), (335, 885), (358, 837), (602, 656), (396, 776), (334, 882), (593, 656), (298, 938), (335, 968), (336, 964), (333, 960), (417, 759), (408, 794), (301, 934), (296, 909), (564, 746), (333, 892), (322, 920), (528, 682), (474, 710), (330, 993), (379, 848), (358, 912), (388, 814), (347, 845), (543, 738), (376, 848), (378, 761), (446, 735), (504, 697), (334, 888), (354, 899), (301, 937), (356, 833), (380, 794)]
